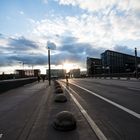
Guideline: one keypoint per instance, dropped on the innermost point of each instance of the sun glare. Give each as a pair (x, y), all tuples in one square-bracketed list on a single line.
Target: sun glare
[(68, 66)]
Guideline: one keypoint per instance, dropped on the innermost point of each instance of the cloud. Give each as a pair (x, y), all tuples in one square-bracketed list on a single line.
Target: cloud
[(36, 59), (51, 45), (22, 43), (89, 34), (76, 53), (73, 38), (96, 5), (16, 49), (104, 30), (68, 39), (45, 1), (63, 57), (3, 60), (124, 49), (82, 49), (15, 59)]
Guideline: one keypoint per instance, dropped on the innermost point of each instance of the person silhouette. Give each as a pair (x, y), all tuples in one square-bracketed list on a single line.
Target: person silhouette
[(38, 78), (67, 80)]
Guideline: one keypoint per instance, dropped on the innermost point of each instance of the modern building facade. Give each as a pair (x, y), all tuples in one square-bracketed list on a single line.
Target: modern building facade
[(75, 73), (113, 62), (116, 62), (94, 66), (27, 72), (57, 73)]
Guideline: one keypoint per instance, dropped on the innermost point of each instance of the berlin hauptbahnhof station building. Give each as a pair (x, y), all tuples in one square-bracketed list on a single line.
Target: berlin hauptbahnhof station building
[(112, 62)]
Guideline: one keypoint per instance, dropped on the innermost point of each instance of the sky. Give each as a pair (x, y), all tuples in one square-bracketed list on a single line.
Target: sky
[(72, 29)]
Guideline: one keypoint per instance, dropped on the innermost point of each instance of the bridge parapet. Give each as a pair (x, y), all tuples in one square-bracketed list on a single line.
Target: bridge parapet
[(6, 85)]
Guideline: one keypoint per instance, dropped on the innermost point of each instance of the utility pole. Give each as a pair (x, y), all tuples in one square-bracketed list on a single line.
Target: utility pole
[(49, 71), (136, 67)]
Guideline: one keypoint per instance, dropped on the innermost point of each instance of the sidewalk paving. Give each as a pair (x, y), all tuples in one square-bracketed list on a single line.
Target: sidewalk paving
[(43, 128)]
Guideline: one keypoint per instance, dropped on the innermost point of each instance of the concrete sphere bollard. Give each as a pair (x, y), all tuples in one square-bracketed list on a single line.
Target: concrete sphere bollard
[(58, 86), (60, 98), (64, 121), (56, 83), (59, 90)]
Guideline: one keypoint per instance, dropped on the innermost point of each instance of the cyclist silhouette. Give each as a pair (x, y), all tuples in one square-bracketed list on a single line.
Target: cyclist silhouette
[(67, 80)]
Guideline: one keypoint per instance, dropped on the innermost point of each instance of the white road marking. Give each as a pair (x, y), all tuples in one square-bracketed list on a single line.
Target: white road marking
[(137, 115), (93, 125), (134, 89), (1, 136)]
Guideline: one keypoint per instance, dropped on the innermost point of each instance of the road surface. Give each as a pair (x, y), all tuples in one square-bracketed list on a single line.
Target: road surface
[(114, 105), (104, 110)]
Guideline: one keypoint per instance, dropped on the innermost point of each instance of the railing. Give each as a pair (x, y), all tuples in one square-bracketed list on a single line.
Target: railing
[(6, 85), (116, 75)]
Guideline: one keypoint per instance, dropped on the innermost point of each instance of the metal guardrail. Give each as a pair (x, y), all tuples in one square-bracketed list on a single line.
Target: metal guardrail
[(117, 75)]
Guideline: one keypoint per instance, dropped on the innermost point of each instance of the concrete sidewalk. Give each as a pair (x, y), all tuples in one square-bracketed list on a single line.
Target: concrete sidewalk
[(43, 128)]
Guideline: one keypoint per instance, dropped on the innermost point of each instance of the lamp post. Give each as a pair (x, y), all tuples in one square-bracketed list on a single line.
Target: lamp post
[(136, 67), (94, 71), (49, 64)]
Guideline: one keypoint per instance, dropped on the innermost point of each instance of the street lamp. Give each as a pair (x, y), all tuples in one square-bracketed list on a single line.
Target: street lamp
[(94, 71), (49, 64), (136, 67)]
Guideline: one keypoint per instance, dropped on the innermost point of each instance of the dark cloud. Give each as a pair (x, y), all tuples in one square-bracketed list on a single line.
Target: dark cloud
[(82, 49), (125, 49), (70, 50), (5, 60), (65, 56), (37, 59), (77, 51), (12, 59), (22, 43), (74, 53), (68, 39)]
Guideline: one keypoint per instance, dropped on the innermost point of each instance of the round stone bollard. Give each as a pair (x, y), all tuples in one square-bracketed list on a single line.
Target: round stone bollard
[(60, 98), (58, 86), (64, 121), (56, 83), (59, 90)]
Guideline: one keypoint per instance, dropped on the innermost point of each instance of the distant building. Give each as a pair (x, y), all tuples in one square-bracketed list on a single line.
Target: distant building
[(94, 66), (83, 74), (27, 72), (57, 73), (116, 62), (75, 73)]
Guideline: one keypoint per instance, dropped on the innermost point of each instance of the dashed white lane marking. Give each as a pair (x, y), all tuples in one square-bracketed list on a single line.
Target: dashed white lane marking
[(137, 115), (1, 136), (93, 125)]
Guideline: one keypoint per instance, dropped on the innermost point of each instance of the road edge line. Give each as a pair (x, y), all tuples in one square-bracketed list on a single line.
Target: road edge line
[(137, 115), (92, 124)]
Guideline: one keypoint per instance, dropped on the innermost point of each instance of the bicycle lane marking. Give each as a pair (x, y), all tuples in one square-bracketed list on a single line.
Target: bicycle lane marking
[(92, 124)]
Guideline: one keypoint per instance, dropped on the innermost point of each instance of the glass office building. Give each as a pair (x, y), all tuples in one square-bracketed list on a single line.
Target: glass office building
[(94, 66), (116, 62)]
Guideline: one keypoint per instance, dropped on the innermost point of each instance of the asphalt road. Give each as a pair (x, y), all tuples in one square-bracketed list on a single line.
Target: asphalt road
[(114, 105)]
